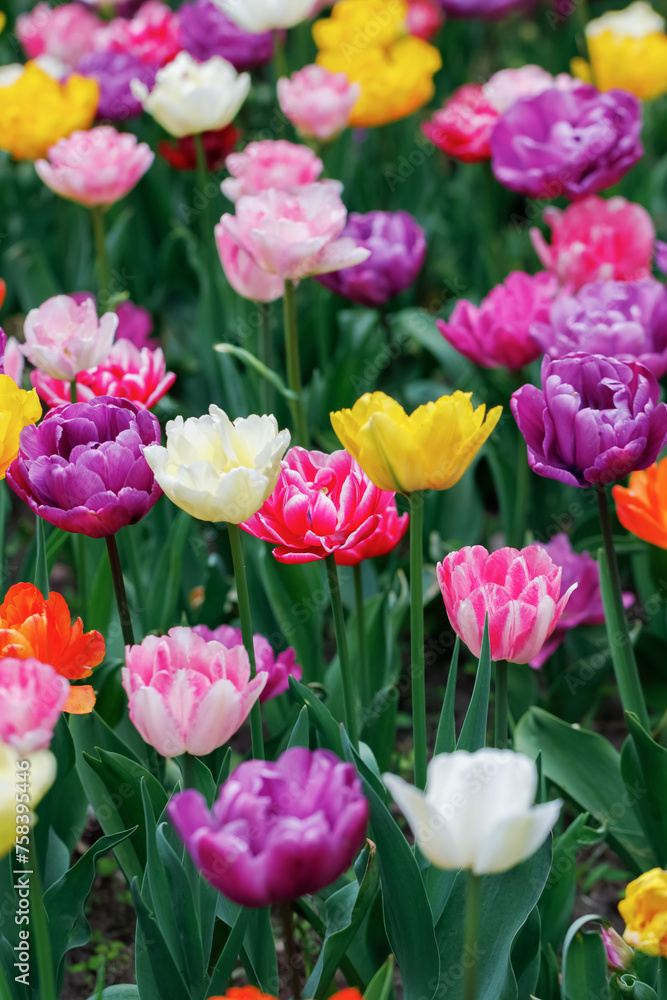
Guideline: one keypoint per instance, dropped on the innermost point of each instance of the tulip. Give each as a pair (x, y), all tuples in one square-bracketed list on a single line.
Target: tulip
[(126, 373), (295, 235), (245, 277), (113, 72), (63, 338), (397, 246), (322, 505), (661, 255), (373, 20), (217, 470), (82, 468), (595, 240), (519, 592), (66, 33), (39, 776), (499, 330), (317, 102), (619, 955), (134, 323), (278, 669), (430, 449), (152, 34), (191, 97), (625, 320), (595, 420), (256, 16), (272, 163), (32, 696), (584, 606), (507, 86), (278, 830), (640, 507), (644, 910), (425, 18), (463, 127), (567, 142), (477, 810), (32, 626), (20, 409), (187, 695), (97, 167), (206, 31)]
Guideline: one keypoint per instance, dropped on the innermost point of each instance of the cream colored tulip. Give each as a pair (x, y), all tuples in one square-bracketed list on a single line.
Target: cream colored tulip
[(38, 779), (256, 16)]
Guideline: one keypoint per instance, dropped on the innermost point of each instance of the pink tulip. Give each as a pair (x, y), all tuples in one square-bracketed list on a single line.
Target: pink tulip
[(65, 32), (318, 102), (63, 338), (462, 127), (134, 322), (278, 669), (509, 85), (272, 163), (595, 240), (295, 235), (153, 34), (187, 695), (32, 695), (324, 504), (13, 361), (425, 18), (126, 372), (518, 590), (243, 274), (96, 167)]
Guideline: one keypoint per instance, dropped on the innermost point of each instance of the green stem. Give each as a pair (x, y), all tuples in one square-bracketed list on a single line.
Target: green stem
[(73, 398), (623, 656), (521, 493), (207, 224), (279, 60), (243, 598), (101, 258), (471, 930), (361, 635), (343, 655), (266, 357), (294, 365), (119, 589), (81, 575), (188, 770), (40, 925), (290, 949), (500, 710), (417, 638)]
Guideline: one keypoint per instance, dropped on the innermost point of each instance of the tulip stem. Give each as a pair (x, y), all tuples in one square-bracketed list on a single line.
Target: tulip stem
[(500, 710), (73, 398), (361, 635), (243, 598), (266, 356), (188, 770), (40, 924), (622, 653), (279, 60), (290, 949), (294, 365), (343, 654), (119, 588), (471, 931), (101, 258), (420, 749)]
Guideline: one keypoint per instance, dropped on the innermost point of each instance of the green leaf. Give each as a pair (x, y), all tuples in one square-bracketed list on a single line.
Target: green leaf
[(558, 898), (380, 985), (473, 731), (445, 740), (121, 991), (321, 716), (183, 906), (153, 954), (588, 770), (167, 572), (644, 769), (291, 592), (345, 909), (300, 735), (585, 972), (41, 577), (224, 967), (525, 957), (267, 373)]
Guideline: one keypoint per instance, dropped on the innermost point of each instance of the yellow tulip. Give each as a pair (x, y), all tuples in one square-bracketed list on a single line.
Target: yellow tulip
[(40, 777), (428, 450), (18, 408), (356, 24), (644, 910), (3, 20), (36, 111), (635, 64)]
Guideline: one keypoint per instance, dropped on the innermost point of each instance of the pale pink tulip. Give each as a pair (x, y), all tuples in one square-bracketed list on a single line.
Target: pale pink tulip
[(96, 167), (277, 667), (13, 360), (595, 240), (243, 274), (63, 338), (509, 85), (32, 695), (318, 102), (520, 591), (295, 235), (187, 695), (65, 32), (272, 163), (127, 372)]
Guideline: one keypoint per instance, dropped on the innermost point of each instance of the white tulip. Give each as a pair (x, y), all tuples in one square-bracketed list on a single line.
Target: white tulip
[(635, 21), (189, 97), (217, 470), (477, 810), (40, 776), (256, 16)]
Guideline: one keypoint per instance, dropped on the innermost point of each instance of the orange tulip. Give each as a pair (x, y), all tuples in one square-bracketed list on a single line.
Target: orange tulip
[(641, 506), (252, 993), (31, 625)]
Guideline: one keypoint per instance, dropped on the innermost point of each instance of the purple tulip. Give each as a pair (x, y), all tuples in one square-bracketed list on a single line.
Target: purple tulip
[(113, 72), (595, 420), (661, 255), (206, 32), (584, 606), (279, 668), (278, 830), (398, 246), (82, 468), (626, 320), (570, 142)]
